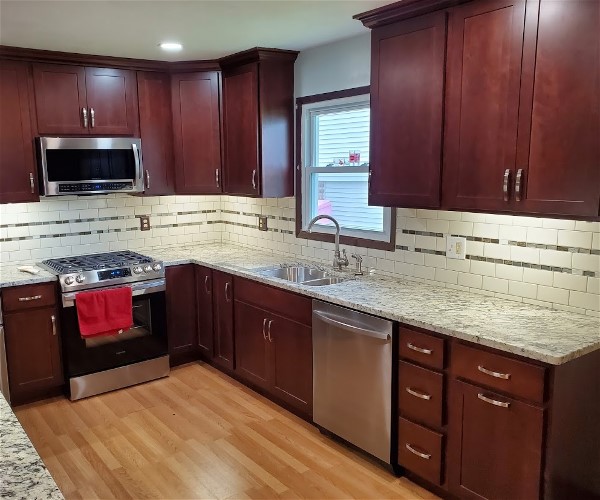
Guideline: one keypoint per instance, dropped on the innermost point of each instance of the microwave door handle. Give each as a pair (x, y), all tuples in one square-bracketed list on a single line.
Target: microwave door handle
[(136, 157)]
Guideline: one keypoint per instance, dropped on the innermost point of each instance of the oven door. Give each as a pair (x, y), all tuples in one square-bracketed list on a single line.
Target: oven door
[(146, 339)]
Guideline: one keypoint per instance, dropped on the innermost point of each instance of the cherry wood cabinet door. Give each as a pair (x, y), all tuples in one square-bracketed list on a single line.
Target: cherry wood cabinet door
[(494, 445), (407, 94), (112, 101), (181, 310), (291, 361), (240, 117), (18, 170), (60, 99), (204, 296), (485, 44), (156, 132), (32, 352), (559, 137), (223, 321), (196, 128), (251, 344)]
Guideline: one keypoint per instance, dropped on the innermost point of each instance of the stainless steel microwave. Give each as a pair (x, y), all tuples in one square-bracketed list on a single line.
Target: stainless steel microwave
[(89, 165)]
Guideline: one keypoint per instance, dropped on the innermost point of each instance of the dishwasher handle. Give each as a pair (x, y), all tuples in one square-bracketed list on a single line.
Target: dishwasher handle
[(332, 320)]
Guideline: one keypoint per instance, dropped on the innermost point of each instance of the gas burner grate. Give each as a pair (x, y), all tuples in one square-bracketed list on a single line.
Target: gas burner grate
[(92, 262)]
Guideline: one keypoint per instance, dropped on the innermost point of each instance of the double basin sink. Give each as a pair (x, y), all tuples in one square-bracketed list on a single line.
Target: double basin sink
[(303, 275)]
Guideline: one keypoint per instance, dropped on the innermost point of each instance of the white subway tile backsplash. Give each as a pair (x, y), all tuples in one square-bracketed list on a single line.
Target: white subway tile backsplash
[(584, 300), (570, 281), (581, 239), (481, 230), (586, 262), (554, 295), (495, 284), (540, 235), (521, 289), (538, 276)]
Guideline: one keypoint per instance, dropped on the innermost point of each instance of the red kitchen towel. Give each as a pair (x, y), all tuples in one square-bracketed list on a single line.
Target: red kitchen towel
[(104, 312)]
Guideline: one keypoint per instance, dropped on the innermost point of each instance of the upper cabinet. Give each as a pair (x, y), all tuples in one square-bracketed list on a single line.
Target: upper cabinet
[(156, 131), (77, 100), (521, 106), (258, 92), (196, 129), (17, 163), (407, 102)]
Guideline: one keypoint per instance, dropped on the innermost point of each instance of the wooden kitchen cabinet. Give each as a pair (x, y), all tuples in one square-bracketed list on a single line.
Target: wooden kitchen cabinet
[(156, 132), (204, 298), (252, 344), (181, 313), (223, 347), (18, 169), (497, 445), (407, 102), (258, 89), (78, 100), (196, 129)]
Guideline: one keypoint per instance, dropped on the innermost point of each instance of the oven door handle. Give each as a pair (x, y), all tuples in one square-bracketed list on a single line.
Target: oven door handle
[(68, 299)]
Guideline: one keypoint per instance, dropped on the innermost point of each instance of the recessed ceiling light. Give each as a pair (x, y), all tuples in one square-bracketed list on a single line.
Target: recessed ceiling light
[(171, 46)]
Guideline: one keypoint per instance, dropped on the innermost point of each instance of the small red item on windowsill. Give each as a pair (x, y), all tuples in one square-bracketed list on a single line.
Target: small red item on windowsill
[(104, 312)]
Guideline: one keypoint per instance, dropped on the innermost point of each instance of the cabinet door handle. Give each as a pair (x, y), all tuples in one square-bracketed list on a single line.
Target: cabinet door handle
[(28, 299), (227, 292), (84, 117), (147, 179), (254, 179), (419, 349), (31, 183), (269, 331), (369, 181), (505, 184), (53, 319), (217, 177), (417, 394), (426, 456), (206, 285), (494, 402), (483, 369), (92, 118), (519, 184), (264, 328)]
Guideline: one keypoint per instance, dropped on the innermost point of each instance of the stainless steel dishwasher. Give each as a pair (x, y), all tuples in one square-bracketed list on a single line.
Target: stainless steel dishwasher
[(352, 377)]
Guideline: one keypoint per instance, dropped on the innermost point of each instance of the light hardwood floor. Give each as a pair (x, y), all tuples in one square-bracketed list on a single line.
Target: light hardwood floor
[(197, 434)]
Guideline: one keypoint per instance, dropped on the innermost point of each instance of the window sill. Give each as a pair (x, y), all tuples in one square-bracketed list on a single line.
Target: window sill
[(352, 240)]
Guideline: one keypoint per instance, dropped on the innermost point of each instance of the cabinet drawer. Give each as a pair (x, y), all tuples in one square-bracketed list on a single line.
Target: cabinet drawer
[(424, 349), (494, 370), (28, 296), (420, 450), (420, 394), (288, 304)]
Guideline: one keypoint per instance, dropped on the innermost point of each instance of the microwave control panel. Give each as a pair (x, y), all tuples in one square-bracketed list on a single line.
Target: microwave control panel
[(91, 187)]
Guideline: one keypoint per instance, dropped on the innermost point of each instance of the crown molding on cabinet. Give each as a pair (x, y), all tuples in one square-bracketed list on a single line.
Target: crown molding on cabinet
[(404, 9)]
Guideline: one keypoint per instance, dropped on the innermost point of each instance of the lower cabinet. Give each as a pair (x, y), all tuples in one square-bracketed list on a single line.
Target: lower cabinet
[(273, 351), (181, 313), (223, 343), (496, 445), (204, 298)]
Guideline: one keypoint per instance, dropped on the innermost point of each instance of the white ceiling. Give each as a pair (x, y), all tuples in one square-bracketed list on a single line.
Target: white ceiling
[(207, 29)]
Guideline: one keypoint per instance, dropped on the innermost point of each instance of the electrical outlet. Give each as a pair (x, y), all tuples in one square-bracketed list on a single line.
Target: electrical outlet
[(456, 247), (262, 222), (144, 222)]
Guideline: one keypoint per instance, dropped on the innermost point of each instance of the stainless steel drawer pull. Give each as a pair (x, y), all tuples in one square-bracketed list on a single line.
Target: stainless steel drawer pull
[(92, 117), (264, 328), (206, 285), (269, 331), (53, 319), (519, 185), (505, 184), (254, 179), (504, 376), (217, 177), (426, 456), (418, 349), (31, 183), (147, 179), (27, 299), (494, 402), (227, 292), (85, 118), (418, 394)]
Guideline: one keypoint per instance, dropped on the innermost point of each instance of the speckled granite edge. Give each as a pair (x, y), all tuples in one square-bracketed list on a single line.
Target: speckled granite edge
[(22, 472)]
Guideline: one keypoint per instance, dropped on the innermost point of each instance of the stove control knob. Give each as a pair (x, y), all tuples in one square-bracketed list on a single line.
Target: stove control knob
[(69, 280), (156, 267), (80, 278), (147, 269), (137, 269)]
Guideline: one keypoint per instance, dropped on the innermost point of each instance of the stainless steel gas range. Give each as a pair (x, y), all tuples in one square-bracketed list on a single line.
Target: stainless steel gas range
[(100, 364)]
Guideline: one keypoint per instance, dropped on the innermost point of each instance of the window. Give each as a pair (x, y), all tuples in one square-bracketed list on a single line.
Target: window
[(335, 169)]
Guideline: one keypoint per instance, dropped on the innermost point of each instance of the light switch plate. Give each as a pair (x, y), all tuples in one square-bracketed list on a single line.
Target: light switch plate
[(262, 223), (456, 247)]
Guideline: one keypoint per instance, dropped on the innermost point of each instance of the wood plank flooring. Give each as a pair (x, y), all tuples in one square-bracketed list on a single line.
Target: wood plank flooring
[(197, 434)]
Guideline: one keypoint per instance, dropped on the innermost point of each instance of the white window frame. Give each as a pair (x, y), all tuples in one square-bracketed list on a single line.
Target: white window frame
[(308, 159)]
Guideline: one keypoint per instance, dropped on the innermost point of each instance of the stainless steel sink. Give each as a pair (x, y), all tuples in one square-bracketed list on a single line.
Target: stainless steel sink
[(330, 280), (297, 274)]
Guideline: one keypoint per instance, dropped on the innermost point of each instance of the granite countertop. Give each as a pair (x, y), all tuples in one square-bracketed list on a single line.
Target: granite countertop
[(547, 335), (22, 472)]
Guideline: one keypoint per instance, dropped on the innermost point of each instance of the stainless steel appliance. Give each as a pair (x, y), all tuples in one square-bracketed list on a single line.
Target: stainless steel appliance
[(89, 165), (100, 364), (4, 388), (352, 377)]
